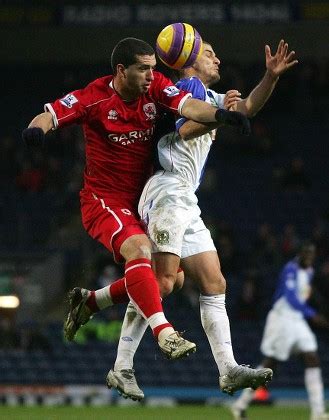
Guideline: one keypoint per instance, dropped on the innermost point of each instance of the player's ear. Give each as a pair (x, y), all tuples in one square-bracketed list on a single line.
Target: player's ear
[(121, 70)]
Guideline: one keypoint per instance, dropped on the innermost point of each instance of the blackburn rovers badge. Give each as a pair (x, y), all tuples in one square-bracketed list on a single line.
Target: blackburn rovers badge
[(162, 237)]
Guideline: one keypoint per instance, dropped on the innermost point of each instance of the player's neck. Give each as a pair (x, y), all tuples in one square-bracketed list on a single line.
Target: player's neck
[(125, 93)]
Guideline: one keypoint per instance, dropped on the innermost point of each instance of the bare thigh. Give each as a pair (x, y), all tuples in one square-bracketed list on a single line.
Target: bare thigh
[(204, 270)]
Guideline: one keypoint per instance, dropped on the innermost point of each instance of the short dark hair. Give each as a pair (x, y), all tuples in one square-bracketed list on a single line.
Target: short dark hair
[(126, 50)]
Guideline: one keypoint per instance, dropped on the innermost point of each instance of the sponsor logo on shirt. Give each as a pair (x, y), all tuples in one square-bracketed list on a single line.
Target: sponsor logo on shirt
[(132, 136), (68, 100), (171, 91), (150, 111), (112, 115)]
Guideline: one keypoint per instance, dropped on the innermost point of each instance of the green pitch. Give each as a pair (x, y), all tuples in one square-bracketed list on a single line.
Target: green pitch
[(187, 412)]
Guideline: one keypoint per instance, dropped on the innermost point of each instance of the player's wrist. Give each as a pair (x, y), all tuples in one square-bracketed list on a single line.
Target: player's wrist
[(271, 76)]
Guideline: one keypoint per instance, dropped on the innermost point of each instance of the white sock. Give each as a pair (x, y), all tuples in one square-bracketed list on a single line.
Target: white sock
[(159, 319), (314, 387), (132, 331), (216, 325), (245, 399), (103, 297)]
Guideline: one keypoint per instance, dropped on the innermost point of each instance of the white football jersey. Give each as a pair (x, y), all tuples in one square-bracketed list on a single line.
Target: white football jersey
[(187, 158)]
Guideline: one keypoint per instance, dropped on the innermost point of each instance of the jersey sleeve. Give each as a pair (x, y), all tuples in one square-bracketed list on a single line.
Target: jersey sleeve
[(167, 94), (193, 85), (72, 108), (290, 284), (217, 98)]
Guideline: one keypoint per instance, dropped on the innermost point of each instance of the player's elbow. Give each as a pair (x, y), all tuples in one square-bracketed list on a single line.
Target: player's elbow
[(185, 134)]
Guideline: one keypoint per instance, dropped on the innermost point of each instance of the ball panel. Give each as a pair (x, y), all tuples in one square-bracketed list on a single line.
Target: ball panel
[(196, 50), (187, 43)]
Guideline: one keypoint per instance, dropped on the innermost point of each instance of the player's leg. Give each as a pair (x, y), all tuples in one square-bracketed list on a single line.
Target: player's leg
[(200, 262), (121, 232), (144, 293), (314, 385), (204, 269), (83, 304), (307, 345), (122, 376)]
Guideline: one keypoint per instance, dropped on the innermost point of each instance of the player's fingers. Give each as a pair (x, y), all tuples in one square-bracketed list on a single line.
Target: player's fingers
[(284, 50), (268, 53), (290, 56), (280, 46), (232, 92), (232, 104), (292, 63)]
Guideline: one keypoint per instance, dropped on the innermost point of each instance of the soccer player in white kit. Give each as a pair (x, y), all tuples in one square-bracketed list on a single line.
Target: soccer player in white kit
[(287, 332), (168, 206)]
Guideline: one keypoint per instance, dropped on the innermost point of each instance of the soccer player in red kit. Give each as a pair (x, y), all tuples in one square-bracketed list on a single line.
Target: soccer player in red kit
[(118, 114)]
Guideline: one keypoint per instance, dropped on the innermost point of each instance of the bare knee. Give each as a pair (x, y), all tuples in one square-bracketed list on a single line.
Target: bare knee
[(213, 285), (166, 284), (136, 246)]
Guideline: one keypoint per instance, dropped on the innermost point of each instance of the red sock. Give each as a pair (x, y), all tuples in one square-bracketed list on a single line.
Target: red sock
[(91, 302), (118, 291), (142, 286)]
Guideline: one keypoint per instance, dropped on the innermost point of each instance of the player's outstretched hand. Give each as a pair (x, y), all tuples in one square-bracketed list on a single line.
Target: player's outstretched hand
[(33, 136), (234, 118), (281, 61)]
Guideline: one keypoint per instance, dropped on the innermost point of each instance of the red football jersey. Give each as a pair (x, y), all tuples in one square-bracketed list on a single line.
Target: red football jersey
[(118, 134)]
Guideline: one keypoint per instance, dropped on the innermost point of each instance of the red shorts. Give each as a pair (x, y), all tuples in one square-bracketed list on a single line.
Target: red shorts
[(109, 225)]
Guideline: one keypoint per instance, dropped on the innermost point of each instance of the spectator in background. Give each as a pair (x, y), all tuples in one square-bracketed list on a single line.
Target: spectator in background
[(32, 177), (265, 253), (295, 178), (248, 301), (8, 161), (289, 241)]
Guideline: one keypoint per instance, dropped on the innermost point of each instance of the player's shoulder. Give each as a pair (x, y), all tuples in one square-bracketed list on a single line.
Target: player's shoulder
[(194, 85), (160, 79), (101, 85), (189, 82), (291, 266)]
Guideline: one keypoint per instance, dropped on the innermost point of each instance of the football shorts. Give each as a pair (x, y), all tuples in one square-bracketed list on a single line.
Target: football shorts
[(110, 226), (169, 209), (284, 336)]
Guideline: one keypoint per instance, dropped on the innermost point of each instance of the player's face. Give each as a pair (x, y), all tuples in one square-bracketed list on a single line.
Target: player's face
[(207, 66), (307, 256), (140, 75)]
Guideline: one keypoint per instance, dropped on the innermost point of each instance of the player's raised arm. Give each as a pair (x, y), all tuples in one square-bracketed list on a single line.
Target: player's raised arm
[(200, 111), (276, 65)]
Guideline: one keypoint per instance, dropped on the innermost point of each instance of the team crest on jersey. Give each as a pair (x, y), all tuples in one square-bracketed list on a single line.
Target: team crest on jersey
[(150, 111), (171, 91), (68, 100), (112, 115), (162, 237)]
